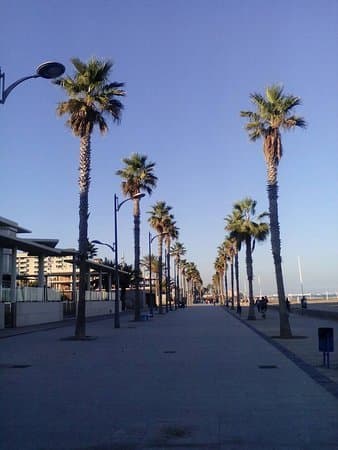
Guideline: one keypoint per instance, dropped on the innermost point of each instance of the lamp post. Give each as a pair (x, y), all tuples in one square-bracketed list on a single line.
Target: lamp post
[(48, 70), (150, 240), (117, 207), (114, 248), (117, 309)]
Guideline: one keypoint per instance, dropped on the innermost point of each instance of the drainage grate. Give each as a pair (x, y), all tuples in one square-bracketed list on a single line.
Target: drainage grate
[(15, 366), (267, 366)]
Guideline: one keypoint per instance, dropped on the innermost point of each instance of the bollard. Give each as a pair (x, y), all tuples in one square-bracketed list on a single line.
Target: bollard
[(325, 344)]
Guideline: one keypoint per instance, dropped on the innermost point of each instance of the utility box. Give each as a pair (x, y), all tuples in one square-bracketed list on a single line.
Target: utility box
[(325, 339)]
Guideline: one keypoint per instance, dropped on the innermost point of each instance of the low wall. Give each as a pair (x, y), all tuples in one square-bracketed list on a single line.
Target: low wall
[(33, 313), (322, 314), (2, 315), (97, 308)]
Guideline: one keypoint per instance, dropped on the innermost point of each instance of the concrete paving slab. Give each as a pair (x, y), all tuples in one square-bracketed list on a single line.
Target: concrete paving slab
[(189, 379)]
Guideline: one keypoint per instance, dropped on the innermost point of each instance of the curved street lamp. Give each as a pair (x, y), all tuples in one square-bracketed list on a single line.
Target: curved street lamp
[(48, 70), (114, 248), (117, 207)]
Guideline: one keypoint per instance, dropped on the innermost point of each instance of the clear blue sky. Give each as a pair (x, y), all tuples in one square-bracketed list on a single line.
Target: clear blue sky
[(189, 67)]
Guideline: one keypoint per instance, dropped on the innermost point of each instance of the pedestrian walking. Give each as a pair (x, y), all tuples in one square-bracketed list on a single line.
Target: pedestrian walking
[(264, 306)]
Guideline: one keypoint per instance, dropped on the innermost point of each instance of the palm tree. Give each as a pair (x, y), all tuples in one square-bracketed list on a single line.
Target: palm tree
[(177, 250), (230, 249), (171, 231), (238, 238), (219, 267), (146, 261), (159, 215), (224, 258), (196, 281), (273, 114), (193, 277), (137, 176), (251, 228), (151, 263), (215, 285), (92, 97), (92, 250), (183, 266)]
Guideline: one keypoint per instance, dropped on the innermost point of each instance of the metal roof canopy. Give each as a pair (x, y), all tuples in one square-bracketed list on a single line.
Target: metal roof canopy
[(10, 223), (32, 247)]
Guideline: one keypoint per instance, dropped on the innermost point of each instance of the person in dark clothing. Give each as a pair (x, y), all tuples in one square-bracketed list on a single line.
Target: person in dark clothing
[(264, 306)]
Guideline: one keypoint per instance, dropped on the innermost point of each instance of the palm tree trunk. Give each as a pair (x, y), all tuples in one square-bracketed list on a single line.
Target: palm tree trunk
[(168, 275), (219, 278), (160, 251), (284, 324), (84, 182), (226, 286), (237, 283), (178, 282), (137, 315), (232, 284), (249, 271)]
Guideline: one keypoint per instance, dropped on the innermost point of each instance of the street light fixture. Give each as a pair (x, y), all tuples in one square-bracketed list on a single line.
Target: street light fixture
[(150, 240), (48, 70), (114, 249)]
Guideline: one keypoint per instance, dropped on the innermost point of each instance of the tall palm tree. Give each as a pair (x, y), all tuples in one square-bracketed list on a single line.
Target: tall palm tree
[(137, 176), (196, 281), (192, 276), (215, 285), (183, 266), (91, 99), (274, 113), (219, 268), (159, 215), (177, 250), (171, 231), (224, 258), (238, 238), (251, 228), (230, 249)]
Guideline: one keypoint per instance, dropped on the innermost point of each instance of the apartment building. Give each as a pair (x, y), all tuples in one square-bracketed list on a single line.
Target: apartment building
[(27, 265)]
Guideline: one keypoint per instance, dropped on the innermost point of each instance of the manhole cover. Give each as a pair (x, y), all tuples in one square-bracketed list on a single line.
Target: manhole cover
[(267, 366)]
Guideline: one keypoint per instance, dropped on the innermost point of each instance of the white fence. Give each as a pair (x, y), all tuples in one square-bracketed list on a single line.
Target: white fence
[(44, 294), (31, 294), (98, 295)]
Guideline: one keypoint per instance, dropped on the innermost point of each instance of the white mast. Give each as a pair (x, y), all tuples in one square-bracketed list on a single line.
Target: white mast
[(300, 276)]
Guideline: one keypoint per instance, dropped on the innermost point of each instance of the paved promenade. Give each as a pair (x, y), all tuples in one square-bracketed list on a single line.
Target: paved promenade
[(194, 378)]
